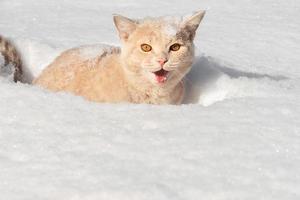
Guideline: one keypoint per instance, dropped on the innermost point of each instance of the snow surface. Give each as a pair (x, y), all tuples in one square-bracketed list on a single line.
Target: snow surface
[(240, 139), (5, 70)]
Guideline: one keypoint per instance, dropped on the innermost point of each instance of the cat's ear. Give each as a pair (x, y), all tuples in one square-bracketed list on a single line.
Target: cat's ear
[(125, 26), (190, 24)]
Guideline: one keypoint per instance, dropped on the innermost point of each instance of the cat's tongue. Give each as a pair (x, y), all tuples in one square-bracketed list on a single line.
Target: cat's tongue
[(161, 75)]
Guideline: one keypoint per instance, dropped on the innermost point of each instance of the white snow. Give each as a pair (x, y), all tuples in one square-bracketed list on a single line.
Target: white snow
[(1, 60), (239, 140), (6, 70), (92, 51), (171, 28)]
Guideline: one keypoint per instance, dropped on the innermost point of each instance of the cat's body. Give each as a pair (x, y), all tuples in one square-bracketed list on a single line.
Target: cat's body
[(100, 78), (149, 68), (12, 61)]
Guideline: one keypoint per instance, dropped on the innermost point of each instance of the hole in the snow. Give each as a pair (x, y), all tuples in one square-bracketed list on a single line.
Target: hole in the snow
[(210, 82)]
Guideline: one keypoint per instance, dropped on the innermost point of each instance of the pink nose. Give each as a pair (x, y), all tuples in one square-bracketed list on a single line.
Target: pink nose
[(162, 61)]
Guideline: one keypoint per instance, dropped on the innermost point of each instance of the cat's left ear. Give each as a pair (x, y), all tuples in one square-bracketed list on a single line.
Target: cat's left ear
[(125, 26), (191, 24)]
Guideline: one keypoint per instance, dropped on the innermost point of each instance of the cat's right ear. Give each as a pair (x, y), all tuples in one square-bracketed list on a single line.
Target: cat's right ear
[(191, 24), (125, 26)]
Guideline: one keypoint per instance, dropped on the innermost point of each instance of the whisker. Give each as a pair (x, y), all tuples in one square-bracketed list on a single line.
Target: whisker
[(170, 68), (150, 67), (184, 78)]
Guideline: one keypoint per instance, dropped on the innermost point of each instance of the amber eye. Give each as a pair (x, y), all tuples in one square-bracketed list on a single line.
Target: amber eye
[(146, 47), (175, 47)]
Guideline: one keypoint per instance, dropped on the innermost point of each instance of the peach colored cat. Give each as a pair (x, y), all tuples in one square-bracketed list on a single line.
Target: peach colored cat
[(155, 56)]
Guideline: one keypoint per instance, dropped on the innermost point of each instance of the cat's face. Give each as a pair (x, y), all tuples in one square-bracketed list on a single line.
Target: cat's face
[(158, 51)]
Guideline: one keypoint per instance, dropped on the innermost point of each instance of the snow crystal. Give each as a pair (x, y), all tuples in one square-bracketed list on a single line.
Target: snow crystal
[(170, 29), (5, 70), (1, 60), (171, 24), (92, 51)]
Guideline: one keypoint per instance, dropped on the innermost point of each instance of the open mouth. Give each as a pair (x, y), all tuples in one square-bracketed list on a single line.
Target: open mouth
[(161, 75)]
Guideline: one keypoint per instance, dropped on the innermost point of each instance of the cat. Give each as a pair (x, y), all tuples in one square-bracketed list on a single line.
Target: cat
[(12, 61), (149, 68)]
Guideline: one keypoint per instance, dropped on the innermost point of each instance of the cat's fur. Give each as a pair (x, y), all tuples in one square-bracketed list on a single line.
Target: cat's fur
[(130, 74), (11, 58)]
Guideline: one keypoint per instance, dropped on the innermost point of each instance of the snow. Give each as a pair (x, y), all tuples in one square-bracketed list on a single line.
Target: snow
[(90, 52), (1, 60), (5, 70), (240, 139), (170, 30)]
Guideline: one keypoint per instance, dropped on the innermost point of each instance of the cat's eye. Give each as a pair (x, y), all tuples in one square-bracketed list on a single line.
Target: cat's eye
[(175, 47), (146, 47)]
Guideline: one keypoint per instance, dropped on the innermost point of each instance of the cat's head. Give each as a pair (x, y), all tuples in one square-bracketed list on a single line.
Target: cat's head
[(159, 51)]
